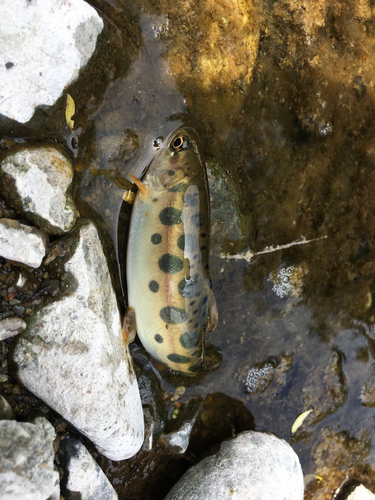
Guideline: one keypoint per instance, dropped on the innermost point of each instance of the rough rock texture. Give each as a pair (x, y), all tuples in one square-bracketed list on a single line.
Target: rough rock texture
[(10, 327), (72, 354), (253, 465), (44, 45), (35, 180), (26, 462), (82, 474), (22, 243)]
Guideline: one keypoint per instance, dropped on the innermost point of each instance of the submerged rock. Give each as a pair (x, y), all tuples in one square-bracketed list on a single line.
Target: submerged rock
[(73, 357), (26, 461), (44, 46), (10, 327), (82, 475), (36, 180), (21, 243), (252, 465), (6, 411)]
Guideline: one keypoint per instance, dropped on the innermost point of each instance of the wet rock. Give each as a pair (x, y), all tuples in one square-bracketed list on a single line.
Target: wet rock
[(36, 181), (30, 51), (26, 462), (10, 327), (21, 243), (253, 465), (72, 354), (179, 440), (6, 411), (231, 229), (82, 475), (331, 392)]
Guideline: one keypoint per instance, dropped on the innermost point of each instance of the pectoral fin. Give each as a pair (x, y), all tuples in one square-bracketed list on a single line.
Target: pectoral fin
[(129, 328)]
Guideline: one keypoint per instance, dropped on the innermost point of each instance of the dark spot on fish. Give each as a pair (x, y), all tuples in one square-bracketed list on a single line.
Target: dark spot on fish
[(9, 65), (196, 325), (206, 266), (197, 294), (192, 303), (194, 368), (171, 264), (155, 199), (181, 242), (204, 314), (170, 216), (195, 312), (189, 339), (159, 339), (153, 286), (190, 321), (203, 235), (177, 358), (171, 172), (203, 248), (204, 301), (196, 275), (173, 315), (156, 238), (195, 256)]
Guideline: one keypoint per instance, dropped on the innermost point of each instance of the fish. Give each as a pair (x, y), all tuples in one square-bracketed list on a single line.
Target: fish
[(171, 303)]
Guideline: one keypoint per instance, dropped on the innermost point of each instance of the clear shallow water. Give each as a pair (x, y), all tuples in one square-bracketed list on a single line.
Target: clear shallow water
[(297, 141)]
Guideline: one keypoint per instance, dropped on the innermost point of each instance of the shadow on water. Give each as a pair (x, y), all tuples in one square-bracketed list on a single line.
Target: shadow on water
[(283, 97)]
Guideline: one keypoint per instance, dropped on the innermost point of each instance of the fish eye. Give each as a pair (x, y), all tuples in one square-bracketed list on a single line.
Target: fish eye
[(180, 143)]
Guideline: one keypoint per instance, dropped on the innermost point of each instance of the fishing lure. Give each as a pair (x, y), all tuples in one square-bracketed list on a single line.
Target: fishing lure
[(171, 301)]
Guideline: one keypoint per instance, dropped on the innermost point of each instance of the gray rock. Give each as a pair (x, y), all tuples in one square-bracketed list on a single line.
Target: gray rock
[(10, 327), (252, 466), (35, 180), (44, 45), (22, 243), (26, 462), (73, 357), (82, 474), (6, 411)]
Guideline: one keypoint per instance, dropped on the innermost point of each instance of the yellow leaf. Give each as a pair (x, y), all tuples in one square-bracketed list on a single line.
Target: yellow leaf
[(299, 420), (69, 111)]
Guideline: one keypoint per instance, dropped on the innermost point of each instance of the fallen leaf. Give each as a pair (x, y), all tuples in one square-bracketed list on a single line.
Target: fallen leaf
[(299, 420), (69, 111)]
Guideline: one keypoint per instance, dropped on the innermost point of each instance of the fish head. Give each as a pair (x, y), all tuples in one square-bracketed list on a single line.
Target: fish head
[(179, 161)]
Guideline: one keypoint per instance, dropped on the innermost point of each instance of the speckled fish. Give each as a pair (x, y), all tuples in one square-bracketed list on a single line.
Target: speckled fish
[(169, 289)]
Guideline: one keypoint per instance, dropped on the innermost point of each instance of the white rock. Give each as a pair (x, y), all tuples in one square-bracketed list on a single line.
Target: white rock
[(26, 463), (10, 327), (21, 243), (82, 474), (72, 354), (253, 465), (44, 44), (35, 181), (361, 493)]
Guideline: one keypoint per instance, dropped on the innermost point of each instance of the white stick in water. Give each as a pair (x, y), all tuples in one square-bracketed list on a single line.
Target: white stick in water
[(249, 254)]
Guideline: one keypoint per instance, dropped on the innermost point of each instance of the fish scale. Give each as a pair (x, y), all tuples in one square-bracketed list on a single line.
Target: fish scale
[(169, 288)]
